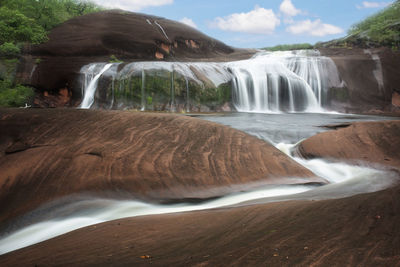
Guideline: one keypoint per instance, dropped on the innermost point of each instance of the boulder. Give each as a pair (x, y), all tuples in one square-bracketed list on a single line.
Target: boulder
[(360, 142)]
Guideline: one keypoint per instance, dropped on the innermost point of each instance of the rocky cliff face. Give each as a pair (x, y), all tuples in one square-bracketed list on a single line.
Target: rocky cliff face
[(128, 36), (371, 76)]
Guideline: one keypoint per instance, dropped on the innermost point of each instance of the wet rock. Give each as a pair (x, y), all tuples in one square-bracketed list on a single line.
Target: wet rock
[(154, 157), (361, 142), (126, 35)]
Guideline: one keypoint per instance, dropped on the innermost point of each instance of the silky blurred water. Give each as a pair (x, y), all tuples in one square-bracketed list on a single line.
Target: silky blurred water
[(282, 130)]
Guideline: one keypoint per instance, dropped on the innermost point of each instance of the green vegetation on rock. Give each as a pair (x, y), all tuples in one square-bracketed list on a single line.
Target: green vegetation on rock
[(28, 22), (9, 50), (14, 95), (11, 94), (382, 28), (114, 59), (286, 47)]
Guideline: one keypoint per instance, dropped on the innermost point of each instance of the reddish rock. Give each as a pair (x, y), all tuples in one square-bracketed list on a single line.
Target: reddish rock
[(365, 142), (165, 47), (155, 157), (159, 55), (128, 36), (396, 99), (357, 231), (361, 69)]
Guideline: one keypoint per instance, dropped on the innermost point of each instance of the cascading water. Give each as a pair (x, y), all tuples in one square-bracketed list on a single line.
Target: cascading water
[(91, 86), (283, 81), (345, 180), (295, 81)]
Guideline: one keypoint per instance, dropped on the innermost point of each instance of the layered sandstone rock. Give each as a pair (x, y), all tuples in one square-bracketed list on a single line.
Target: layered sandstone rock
[(360, 142), (127, 36), (371, 78), (359, 230), (47, 154)]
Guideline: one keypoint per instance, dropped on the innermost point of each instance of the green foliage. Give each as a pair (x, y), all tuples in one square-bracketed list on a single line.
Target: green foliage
[(382, 28), (28, 21), (50, 13), (216, 96), (149, 100), (14, 96), (287, 47), (9, 50), (114, 59), (16, 27)]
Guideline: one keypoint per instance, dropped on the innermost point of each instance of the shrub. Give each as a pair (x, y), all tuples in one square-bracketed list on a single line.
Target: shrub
[(114, 59), (382, 28), (14, 96), (9, 50), (287, 47)]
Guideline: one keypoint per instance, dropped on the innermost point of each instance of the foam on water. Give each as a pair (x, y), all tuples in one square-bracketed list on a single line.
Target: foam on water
[(345, 180), (107, 210), (290, 81)]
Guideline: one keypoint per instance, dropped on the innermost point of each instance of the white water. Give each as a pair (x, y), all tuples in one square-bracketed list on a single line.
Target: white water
[(378, 73), (91, 86), (268, 82), (161, 28), (32, 72), (107, 210), (345, 180)]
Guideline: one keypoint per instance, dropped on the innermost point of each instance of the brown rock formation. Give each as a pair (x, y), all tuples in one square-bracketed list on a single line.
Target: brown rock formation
[(128, 36), (357, 231), (371, 77), (373, 142), (47, 154)]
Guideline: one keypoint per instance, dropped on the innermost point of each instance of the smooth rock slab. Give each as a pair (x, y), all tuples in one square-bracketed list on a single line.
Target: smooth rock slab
[(360, 142), (357, 231), (47, 154)]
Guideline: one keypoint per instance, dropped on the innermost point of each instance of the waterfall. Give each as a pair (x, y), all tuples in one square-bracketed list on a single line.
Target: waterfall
[(378, 72), (91, 86), (162, 30), (289, 81), (283, 81)]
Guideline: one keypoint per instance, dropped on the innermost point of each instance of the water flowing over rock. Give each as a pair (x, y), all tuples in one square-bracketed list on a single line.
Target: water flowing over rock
[(359, 230), (47, 154), (269, 82), (371, 78)]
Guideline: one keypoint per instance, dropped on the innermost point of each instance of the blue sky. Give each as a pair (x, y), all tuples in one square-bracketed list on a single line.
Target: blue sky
[(255, 24)]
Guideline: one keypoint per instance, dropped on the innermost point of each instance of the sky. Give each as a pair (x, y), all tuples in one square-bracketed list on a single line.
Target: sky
[(257, 23)]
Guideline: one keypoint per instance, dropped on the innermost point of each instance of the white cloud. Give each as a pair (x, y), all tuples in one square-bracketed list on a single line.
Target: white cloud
[(314, 28), (132, 5), (367, 4), (188, 22), (257, 21), (288, 9)]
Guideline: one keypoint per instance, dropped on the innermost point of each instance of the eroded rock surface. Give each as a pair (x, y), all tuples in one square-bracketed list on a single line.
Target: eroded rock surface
[(360, 142), (47, 154)]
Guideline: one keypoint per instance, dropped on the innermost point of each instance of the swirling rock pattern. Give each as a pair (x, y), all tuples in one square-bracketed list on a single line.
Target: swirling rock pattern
[(47, 154), (357, 231), (360, 142)]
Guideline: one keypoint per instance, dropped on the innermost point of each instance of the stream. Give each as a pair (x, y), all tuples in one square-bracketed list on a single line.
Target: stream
[(283, 130)]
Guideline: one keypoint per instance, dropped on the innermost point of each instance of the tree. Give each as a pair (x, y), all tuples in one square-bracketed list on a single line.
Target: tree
[(16, 27)]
